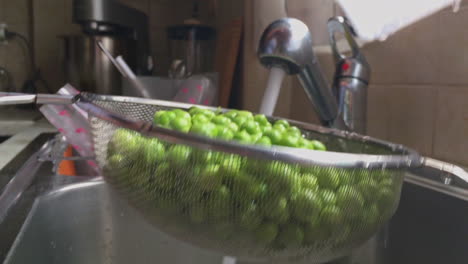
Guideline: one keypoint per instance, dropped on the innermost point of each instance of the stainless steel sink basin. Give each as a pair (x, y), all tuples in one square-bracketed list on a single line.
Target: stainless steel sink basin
[(429, 227), (87, 223)]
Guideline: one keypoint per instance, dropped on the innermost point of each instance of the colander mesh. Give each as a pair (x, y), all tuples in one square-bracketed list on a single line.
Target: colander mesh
[(249, 208)]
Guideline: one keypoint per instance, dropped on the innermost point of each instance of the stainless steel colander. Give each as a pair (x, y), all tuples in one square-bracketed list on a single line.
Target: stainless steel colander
[(272, 204)]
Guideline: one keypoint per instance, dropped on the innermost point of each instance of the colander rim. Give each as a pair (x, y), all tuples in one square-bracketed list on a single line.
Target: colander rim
[(405, 158)]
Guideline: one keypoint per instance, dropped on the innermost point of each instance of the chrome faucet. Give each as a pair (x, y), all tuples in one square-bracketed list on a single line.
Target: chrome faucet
[(351, 77), (286, 43)]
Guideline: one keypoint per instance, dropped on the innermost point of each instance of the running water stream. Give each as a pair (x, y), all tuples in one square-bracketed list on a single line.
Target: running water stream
[(270, 97)]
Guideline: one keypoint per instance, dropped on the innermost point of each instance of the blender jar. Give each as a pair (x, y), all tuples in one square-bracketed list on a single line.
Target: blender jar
[(192, 45)]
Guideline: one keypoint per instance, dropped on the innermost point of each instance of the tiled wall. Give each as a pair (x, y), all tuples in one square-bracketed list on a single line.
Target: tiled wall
[(53, 18), (50, 19), (423, 71), (12, 56), (419, 89), (161, 13)]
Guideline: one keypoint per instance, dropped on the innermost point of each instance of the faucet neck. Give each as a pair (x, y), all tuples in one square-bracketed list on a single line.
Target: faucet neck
[(351, 78), (319, 93), (350, 90)]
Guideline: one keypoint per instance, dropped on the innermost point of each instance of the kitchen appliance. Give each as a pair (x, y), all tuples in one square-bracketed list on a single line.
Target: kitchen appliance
[(126, 72), (121, 30), (111, 18), (191, 48), (86, 67)]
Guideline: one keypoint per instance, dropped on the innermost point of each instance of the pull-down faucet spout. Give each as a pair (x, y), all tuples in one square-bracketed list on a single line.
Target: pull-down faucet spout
[(287, 44)]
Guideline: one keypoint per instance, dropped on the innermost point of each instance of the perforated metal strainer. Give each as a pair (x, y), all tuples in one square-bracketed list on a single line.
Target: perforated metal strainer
[(272, 204)]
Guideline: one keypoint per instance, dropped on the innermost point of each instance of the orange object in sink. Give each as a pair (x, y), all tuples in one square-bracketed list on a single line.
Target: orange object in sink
[(67, 167)]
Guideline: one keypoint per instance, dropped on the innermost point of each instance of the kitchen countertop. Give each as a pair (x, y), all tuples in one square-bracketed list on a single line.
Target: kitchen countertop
[(23, 126), (13, 120)]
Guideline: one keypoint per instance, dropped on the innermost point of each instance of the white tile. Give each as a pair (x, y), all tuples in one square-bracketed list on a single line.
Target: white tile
[(451, 127)]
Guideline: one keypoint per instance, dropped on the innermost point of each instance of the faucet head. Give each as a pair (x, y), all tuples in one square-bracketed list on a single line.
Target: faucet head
[(286, 43), (353, 65)]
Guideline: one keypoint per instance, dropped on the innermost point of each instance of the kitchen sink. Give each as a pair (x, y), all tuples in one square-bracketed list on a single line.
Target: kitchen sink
[(428, 228), (88, 223), (82, 220)]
